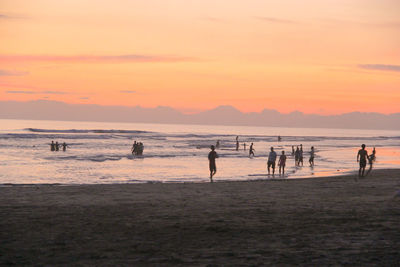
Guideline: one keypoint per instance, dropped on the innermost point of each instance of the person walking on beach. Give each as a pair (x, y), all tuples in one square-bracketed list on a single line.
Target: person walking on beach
[(271, 161), (211, 158), (362, 156), (312, 154), (282, 163), (251, 150), (371, 160)]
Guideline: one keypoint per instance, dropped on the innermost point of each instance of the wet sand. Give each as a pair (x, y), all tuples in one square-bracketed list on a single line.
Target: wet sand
[(326, 221)]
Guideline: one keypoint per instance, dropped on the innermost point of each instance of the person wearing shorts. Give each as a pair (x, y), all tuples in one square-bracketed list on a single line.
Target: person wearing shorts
[(282, 163), (362, 157), (211, 158), (271, 161)]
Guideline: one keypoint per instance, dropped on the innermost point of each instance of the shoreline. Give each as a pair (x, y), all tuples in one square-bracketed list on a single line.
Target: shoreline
[(276, 178)]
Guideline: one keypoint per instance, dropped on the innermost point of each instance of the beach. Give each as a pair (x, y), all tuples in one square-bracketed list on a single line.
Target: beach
[(319, 221)]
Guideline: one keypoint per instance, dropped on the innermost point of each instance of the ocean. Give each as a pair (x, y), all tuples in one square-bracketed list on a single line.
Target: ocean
[(100, 152)]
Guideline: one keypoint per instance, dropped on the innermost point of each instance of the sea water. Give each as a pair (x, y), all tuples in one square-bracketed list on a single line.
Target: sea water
[(100, 152)]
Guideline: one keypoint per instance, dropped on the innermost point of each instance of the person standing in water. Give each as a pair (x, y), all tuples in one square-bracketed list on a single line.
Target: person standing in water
[(296, 156), (217, 144), (282, 163), (244, 146), (301, 155), (237, 143), (251, 150), (312, 154), (64, 146), (362, 156), (52, 146), (371, 160), (271, 161), (57, 146), (211, 158)]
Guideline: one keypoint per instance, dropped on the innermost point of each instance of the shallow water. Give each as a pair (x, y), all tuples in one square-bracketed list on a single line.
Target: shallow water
[(100, 152)]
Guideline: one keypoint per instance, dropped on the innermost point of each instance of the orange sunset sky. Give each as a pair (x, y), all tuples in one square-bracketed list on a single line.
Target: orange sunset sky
[(325, 57)]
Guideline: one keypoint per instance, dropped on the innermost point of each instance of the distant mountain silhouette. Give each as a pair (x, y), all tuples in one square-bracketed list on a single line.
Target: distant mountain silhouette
[(222, 115)]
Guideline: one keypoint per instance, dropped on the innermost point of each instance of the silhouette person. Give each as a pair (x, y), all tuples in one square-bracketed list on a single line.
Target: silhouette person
[(52, 146), (244, 146), (362, 156), (217, 144), (64, 146), (237, 143), (282, 163), (134, 148), (371, 160), (296, 156), (211, 158), (251, 150), (271, 161), (57, 145), (301, 155), (312, 154)]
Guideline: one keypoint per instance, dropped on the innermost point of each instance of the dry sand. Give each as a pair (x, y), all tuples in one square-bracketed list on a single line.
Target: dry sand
[(278, 222)]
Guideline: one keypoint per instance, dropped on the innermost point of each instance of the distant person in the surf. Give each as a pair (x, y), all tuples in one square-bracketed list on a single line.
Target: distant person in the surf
[(282, 163), (279, 138), (52, 146), (140, 148), (301, 155), (312, 154), (244, 146), (211, 158), (371, 160), (237, 143), (271, 161), (292, 150), (64, 146), (251, 150), (296, 156), (217, 144), (57, 146), (362, 157), (134, 148)]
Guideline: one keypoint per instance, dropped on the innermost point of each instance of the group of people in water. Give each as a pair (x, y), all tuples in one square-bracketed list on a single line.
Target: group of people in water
[(362, 158), (137, 148), (56, 146)]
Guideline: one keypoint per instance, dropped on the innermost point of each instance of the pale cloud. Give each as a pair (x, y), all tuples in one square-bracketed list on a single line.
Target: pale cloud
[(127, 91), (13, 73), (95, 59), (20, 92), (36, 92), (275, 20), (11, 16), (382, 67)]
